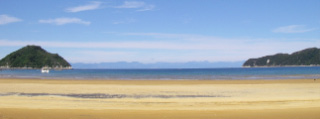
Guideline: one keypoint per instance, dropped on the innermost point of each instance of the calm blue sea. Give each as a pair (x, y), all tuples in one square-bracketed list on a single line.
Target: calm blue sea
[(171, 74)]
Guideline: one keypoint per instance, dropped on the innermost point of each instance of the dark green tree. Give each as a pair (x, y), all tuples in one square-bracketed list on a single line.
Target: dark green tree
[(34, 57), (310, 56)]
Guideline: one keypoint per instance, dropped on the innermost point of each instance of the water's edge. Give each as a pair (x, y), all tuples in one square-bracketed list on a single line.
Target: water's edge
[(169, 74)]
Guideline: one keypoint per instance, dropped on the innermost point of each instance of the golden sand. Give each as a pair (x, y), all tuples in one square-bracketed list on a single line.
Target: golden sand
[(159, 99)]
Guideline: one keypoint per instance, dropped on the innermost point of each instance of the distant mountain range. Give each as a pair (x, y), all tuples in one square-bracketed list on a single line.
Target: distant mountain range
[(159, 65), (306, 57), (33, 57)]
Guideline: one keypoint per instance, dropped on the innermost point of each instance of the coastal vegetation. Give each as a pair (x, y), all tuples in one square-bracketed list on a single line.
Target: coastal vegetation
[(306, 57), (33, 57)]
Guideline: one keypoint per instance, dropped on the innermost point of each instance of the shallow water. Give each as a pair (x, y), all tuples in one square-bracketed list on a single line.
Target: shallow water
[(171, 74)]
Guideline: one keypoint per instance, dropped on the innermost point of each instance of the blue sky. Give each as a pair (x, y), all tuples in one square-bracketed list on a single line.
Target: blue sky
[(149, 31)]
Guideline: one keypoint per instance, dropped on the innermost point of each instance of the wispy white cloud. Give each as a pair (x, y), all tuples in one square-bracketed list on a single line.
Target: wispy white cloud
[(214, 50), (141, 6), (5, 19), (62, 21), (161, 35), (190, 47), (126, 21), (185, 37), (116, 45), (91, 6), (293, 29), (209, 43), (146, 8)]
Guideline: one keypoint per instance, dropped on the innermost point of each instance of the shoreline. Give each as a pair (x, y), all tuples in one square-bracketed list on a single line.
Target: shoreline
[(159, 99), (279, 66), (155, 81), (174, 74)]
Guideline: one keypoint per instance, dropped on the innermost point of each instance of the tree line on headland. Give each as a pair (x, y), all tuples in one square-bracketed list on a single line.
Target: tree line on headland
[(306, 57), (34, 57)]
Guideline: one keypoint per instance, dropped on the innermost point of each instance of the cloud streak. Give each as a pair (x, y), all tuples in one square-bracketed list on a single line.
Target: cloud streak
[(293, 29), (63, 21), (115, 45), (141, 6), (189, 47), (209, 43), (214, 50), (5, 19), (126, 21), (91, 6)]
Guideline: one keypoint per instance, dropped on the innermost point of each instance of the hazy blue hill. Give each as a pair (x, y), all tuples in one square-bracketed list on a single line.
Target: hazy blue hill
[(33, 57), (307, 57), (158, 65)]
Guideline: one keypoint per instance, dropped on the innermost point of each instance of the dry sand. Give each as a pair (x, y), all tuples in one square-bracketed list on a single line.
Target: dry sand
[(158, 99)]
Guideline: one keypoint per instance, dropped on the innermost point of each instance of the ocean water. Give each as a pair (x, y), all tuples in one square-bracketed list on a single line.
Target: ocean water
[(170, 74)]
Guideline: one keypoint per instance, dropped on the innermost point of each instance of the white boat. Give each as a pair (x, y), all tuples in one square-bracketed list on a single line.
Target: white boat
[(44, 70)]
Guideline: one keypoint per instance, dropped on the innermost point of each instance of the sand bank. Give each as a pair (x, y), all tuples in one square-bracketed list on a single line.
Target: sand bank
[(38, 98)]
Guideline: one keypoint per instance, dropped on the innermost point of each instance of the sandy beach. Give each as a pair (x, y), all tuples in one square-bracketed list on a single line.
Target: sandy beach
[(159, 99)]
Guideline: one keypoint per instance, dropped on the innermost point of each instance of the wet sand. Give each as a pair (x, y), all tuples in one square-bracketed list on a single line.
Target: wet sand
[(159, 99)]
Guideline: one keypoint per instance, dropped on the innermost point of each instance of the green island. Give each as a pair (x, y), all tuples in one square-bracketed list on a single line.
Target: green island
[(33, 57), (306, 57)]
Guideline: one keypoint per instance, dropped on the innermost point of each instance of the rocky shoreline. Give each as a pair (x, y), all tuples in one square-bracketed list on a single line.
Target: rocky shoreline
[(54, 68), (280, 66)]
